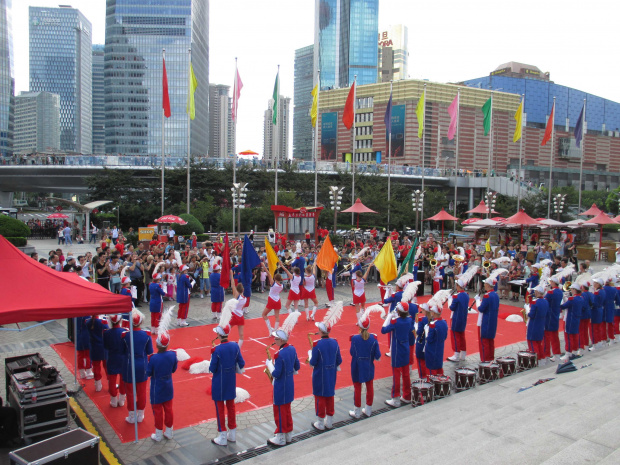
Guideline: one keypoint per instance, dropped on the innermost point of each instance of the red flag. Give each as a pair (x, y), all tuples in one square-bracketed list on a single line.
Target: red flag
[(238, 85), (549, 129), (349, 108), (165, 96), (225, 273)]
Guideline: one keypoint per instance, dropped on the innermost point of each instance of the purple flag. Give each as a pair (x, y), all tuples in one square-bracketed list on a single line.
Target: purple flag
[(388, 116), (579, 128), (453, 111)]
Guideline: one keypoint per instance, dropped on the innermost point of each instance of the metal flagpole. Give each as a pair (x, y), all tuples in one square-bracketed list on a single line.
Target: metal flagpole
[(520, 155), (583, 139), (235, 152), (389, 165), (422, 158), (551, 160), (456, 157), (490, 147), (353, 152), (276, 139), (316, 140), (163, 141), (189, 121)]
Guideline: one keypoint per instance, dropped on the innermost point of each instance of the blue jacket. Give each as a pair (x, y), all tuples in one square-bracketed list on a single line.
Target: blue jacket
[(533, 280), (224, 361), (183, 287), (588, 302), (459, 306), (435, 340), (96, 327), (160, 369), (393, 299), (554, 297), (420, 341), (142, 348), (113, 343), (157, 293), (597, 306), (325, 360), (126, 291), (286, 364), (617, 302), (217, 293), (537, 318), (363, 356), (573, 313), (300, 262), (609, 305), (82, 338), (489, 307), (402, 340)]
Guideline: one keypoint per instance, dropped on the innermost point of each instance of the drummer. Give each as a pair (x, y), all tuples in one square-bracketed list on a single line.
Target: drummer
[(435, 340), (537, 316)]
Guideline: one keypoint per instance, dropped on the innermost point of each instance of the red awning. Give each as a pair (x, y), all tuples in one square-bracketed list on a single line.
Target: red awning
[(481, 208), (523, 219), (601, 218), (592, 211), (442, 216), (170, 219), (358, 207)]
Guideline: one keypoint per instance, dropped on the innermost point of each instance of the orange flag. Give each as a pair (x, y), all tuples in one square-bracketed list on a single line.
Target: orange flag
[(327, 257)]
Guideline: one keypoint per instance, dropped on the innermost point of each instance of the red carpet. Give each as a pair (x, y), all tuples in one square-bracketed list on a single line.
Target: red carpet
[(193, 406)]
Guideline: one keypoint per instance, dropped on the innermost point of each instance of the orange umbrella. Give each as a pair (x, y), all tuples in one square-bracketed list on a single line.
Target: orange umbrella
[(247, 152), (601, 219), (442, 216)]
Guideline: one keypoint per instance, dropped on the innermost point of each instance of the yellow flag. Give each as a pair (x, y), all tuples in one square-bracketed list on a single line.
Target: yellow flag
[(419, 112), (519, 119), (315, 101), (272, 258), (193, 84), (487, 245), (386, 262)]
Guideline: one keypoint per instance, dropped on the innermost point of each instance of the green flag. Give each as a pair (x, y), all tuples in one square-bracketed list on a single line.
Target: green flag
[(407, 264), (419, 113), (276, 91), (487, 110)]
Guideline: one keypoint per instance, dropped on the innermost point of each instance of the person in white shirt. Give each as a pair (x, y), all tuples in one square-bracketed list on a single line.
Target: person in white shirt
[(359, 293), (238, 319), (274, 302), (308, 291)]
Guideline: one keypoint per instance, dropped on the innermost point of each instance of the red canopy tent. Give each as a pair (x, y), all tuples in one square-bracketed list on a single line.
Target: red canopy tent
[(358, 207), (170, 219), (592, 211), (471, 220), (523, 219), (442, 216), (601, 219), (481, 208)]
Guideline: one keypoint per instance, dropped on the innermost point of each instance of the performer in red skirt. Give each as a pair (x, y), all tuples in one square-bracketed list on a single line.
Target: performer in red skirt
[(308, 291), (273, 301), (359, 294)]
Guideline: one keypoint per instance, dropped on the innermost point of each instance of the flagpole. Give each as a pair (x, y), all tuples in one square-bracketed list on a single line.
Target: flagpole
[(163, 139), (423, 156), (276, 139), (189, 119), (490, 150), (389, 164), (583, 140), (235, 151), (551, 160), (316, 140), (520, 155), (353, 152), (456, 157)]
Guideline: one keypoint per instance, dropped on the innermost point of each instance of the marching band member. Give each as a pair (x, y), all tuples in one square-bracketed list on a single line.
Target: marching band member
[(585, 325), (184, 288), (572, 318), (436, 334), (598, 325), (400, 328), (330, 283), (113, 344), (325, 359), (125, 290), (82, 346), (273, 301), (226, 361), (285, 364), (359, 294), (156, 304), (437, 279), (552, 325), (610, 308), (294, 293), (98, 355), (537, 316), (308, 291), (393, 299), (238, 315), (488, 307), (217, 293), (420, 332), (458, 321)]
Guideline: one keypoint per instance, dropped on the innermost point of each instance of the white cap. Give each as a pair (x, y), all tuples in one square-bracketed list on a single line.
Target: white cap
[(461, 283), (540, 288), (536, 265), (599, 281), (575, 286), (281, 334), (490, 281), (322, 327), (554, 279)]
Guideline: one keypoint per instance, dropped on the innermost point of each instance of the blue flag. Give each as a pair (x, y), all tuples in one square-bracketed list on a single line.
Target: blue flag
[(579, 128), (388, 116), (249, 261)]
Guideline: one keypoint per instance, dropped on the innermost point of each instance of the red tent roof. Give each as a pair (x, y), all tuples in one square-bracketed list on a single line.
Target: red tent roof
[(358, 207), (601, 218), (592, 211), (442, 216), (481, 208), (58, 295), (170, 219), (522, 218), (471, 220)]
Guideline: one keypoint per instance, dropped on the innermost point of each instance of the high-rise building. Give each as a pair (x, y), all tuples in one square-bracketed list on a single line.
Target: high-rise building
[(221, 127), (98, 100), (37, 123), (136, 33), (61, 63), (276, 148), (393, 54), (344, 41), (302, 126), (7, 80)]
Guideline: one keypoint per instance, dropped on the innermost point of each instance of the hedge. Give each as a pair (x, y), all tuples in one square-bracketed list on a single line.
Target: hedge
[(10, 227), (17, 241), (186, 230)]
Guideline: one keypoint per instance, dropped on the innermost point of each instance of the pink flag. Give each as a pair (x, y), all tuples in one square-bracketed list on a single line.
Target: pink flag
[(453, 111), (236, 94)]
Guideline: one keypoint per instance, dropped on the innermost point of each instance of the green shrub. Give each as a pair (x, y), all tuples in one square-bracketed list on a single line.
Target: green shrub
[(186, 230), (202, 237), (10, 227), (17, 241)]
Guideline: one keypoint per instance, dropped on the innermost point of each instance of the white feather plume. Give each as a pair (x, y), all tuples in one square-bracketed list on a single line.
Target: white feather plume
[(200, 367), (177, 258), (376, 308), (361, 253), (227, 312), (439, 298), (501, 260), (182, 355), (496, 273), (470, 273), (290, 322), (545, 275), (418, 252), (461, 251), (404, 279), (333, 314), (123, 271), (241, 395), (582, 279), (165, 322), (546, 262), (514, 318), (410, 291), (158, 266), (566, 272)]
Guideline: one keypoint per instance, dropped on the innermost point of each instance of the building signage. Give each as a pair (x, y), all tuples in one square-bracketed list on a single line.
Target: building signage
[(500, 71), (329, 132), (398, 130)]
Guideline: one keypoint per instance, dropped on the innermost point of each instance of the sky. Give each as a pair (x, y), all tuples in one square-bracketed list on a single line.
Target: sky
[(449, 41)]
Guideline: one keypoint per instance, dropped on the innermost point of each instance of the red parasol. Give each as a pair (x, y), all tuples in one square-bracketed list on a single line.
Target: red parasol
[(500, 219), (248, 152), (471, 220), (358, 207), (442, 216), (481, 208), (57, 216), (169, 219), (592, 211), (601, 219), (617, 219), (523, 219)]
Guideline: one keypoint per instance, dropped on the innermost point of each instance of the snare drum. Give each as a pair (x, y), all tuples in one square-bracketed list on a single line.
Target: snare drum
[(443, 385), (526, 360), (421, 392), (508, 365), (488, 371), (465, 378)]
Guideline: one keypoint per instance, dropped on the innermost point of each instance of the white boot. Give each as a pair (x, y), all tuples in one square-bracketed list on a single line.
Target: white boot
[(328, 422), (288, 437), (564, 358), (231, 435), (121, 400), (158, 436), (319, 424), (131, 418), (367, 410), (307, 319), (395, 402), (269, 328), (179, 321), (184, 323), (169, 433), (356, 412), (278, 440), (313, 313), (140, 417), (591, 348), (82, 373), (463, 355), (579, 352), (220, 440), (455, 358), (114, 401), (98, 385), (153, 329), (89, 374)]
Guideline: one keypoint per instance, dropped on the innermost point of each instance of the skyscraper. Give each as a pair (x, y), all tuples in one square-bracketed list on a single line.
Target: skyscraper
[(7, 80), (61, 63), (98, 102), (393, 54), (302, 127), (221, 128), (344, 41), (136, 33), (271, 148), (37, 123)]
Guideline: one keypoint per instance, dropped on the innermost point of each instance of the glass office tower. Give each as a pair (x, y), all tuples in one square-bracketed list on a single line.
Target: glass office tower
[(61, 63), (98, 102), (302, 125), (7, 80), (136, 33)]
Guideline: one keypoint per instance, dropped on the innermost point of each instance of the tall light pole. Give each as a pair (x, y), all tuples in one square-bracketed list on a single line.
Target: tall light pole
[(417, 198), (239, 190), (335, 198), (558, 205), (491, 199)]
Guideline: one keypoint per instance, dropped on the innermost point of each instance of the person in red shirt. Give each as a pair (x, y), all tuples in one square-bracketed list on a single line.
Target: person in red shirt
[(373, 233), (394, 236)]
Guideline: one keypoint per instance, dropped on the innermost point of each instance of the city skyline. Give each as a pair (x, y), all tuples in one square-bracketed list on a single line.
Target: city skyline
[(468, 43)]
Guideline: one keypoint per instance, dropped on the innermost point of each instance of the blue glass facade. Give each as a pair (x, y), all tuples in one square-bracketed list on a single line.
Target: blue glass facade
[(136, 33), (61, 63), (302, 124), (601, 114), (7, 80), (98, 102)]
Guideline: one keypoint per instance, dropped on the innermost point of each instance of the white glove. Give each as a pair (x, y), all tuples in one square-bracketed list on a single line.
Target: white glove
[(450, 301), (270, 366), (426, 328), (309, 355), (564, 299), (338, 368), (477, 299), (388, 319), (527, 308), (415, 326), (239, 369), (295, 372), (414, 300)]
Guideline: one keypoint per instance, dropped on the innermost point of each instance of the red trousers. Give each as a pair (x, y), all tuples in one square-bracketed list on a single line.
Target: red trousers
[(552, 343), (436, 286), (437, 372), (112, 389), (381, 290), (487, 353), (329, 288), (97, 369), (155, 317), (283, 418), (140, 393), (616, 324), (610, 330), (324, 406), (183, 309), (163, 414), (538, 347), (599, 331), (422, 370), (397, 373), (571, 342), (584, 335), (357, 393), (83, 359), (458, 341), (216, 307), (247, 302), (221, 407)]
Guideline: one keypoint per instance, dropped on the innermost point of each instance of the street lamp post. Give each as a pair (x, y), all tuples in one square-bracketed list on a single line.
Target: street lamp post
[(239, 190), (417, 198), (491, 199), (558, 205), (335, 198)]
